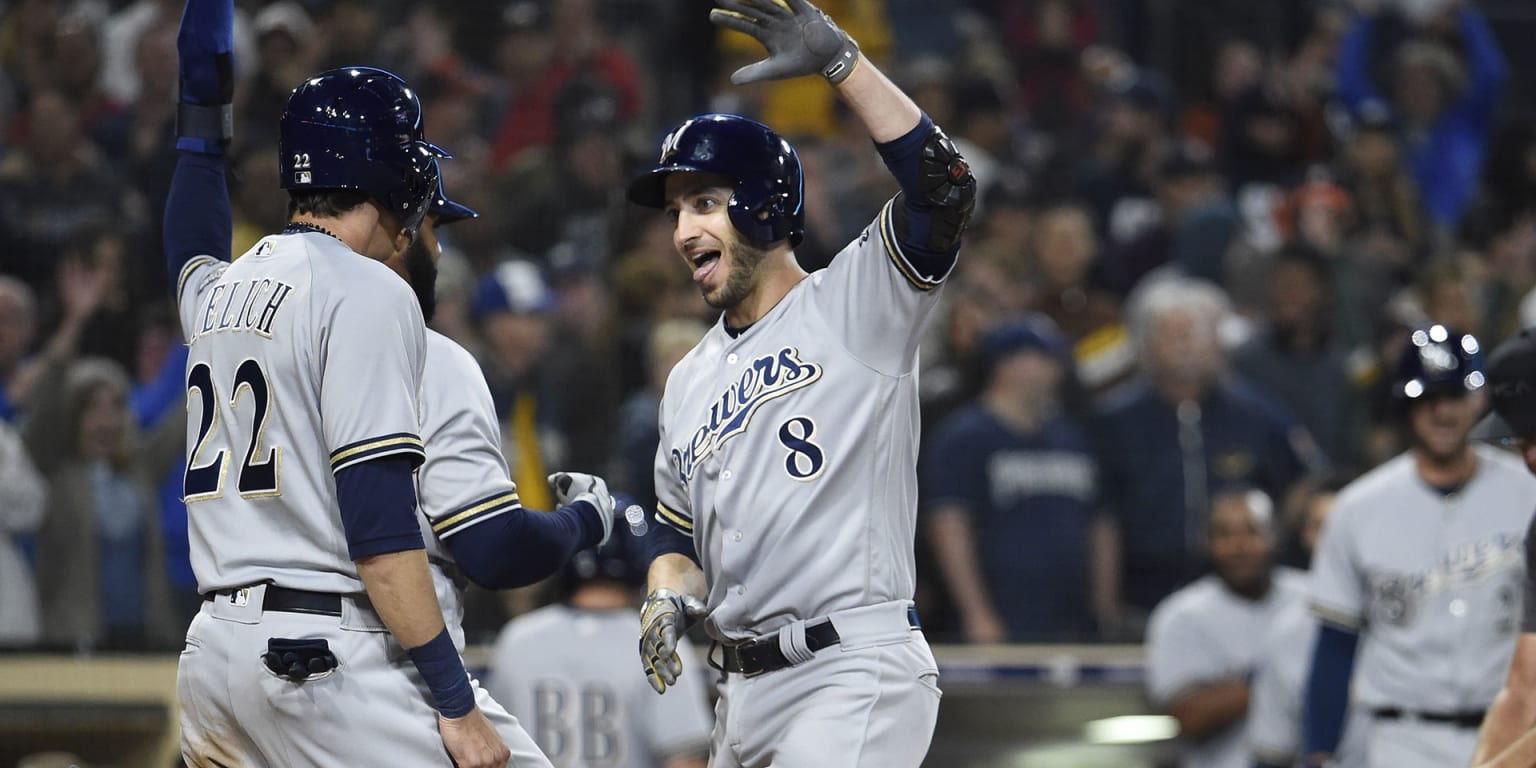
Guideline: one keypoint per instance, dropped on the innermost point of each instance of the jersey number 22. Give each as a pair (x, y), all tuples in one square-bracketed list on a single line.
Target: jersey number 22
[(256, 477)]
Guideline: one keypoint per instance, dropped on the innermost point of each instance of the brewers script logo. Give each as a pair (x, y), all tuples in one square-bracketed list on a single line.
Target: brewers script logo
[(768, 377)]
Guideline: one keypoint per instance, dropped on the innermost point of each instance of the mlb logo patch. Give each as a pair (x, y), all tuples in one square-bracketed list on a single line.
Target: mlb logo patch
[(240, 597), (301, 177)]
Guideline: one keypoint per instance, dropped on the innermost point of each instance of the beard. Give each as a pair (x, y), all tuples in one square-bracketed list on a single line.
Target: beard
[(742, 280), (423, 277)]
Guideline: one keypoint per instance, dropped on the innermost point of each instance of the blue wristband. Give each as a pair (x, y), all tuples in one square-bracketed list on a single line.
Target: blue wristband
[(439, 664)]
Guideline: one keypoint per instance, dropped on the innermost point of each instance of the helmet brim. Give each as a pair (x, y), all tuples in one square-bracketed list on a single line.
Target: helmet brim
[(448, 212), (650, 188)]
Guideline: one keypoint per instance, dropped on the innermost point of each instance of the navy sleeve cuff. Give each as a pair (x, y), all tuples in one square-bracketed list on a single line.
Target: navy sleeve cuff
[(522, 546), (666, 540), (378, 506)]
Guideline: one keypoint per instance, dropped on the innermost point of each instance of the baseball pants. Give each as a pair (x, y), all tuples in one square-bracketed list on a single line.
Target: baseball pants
[(870, 702), (1419, 744), (373, 709)]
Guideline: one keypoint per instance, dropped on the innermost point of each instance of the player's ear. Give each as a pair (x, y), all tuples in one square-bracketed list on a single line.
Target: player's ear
[(402, 243)]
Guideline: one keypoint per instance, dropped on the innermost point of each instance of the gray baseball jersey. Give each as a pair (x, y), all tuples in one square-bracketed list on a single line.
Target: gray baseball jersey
[(568, 675), (1203, 634), (1432, 581), (464, 480), (305, 358), (1275, 700), (789, 450)]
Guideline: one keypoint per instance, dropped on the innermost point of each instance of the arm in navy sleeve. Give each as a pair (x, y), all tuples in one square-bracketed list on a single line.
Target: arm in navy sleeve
[(1353, 69), (663, 539), (1327, 695), (522, 546), (197, 219), (378, 506), (904, 158)]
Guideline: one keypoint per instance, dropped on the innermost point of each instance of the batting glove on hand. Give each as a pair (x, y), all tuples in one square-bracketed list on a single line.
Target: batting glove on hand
[(571, 487), (801, 39), (206, 44), (664, 618)]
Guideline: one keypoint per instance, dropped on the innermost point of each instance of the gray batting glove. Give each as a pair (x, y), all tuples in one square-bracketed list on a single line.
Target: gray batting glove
[(571, 487), (664, 618), (801, 39)]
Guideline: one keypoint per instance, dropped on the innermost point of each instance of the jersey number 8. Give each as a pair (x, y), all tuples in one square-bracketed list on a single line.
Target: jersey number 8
[(805, 459), (255, 478)]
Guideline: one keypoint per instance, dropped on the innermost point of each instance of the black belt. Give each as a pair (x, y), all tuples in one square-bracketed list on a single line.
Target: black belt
[(290, 600), (758, 656), (1468, 719)]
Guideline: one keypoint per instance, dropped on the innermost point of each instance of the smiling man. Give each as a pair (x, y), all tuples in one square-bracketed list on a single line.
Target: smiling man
[(1420, 566), (786, 472)]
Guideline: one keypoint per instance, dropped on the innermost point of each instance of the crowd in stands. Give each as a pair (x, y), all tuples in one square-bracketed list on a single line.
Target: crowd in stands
[(1205, 229)]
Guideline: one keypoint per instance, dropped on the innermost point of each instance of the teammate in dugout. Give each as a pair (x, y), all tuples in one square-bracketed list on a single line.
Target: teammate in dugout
[(463, 482), (1507, 739), (565, 670), (786, 471), (1420, 566)]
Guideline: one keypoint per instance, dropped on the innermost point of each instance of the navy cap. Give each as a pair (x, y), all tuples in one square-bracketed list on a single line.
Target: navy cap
[(1512, 390), (514, 287), (1034, 332)]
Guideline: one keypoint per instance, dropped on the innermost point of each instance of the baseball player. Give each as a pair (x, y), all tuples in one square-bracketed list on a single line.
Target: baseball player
[(564, 670), (463, 482), (1511, 385), (1200, 640), (786, 472), (1420, 566), (1273, 732)]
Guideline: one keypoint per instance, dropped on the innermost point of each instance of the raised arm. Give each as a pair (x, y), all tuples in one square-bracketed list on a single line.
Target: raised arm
[(197, 219), (938, 191)]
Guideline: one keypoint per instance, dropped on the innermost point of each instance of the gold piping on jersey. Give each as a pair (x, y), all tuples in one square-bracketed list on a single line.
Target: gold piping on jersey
[(674, 518), (374, 447), (186, 272), (899, 259), (1335, 616), (476, 511)]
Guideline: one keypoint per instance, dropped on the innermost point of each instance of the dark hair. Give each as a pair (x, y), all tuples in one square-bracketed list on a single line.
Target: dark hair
[(325, 203)]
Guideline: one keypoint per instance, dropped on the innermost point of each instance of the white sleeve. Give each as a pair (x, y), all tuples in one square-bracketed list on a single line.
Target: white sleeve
[(672, 506), (1337, 594), (874, 301), (370, 372), (680, 721), (464, 480), (1274, 710), (1177, 655)]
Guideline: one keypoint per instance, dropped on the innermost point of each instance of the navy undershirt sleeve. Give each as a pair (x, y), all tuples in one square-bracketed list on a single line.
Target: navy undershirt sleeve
[(1327, 697), (378, 507), (197, 218), (666, 540), (523, 546)]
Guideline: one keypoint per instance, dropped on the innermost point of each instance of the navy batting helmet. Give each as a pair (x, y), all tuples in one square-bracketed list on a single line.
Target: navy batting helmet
[(769, 200), (1438, 361), (359, 128), (621, 559)]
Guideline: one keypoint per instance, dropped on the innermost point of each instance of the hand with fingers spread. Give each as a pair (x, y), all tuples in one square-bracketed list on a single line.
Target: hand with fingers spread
[(664, 618), (801, 39)]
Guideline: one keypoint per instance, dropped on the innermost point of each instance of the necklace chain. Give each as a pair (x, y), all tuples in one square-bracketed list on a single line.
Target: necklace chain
[(297, 227)]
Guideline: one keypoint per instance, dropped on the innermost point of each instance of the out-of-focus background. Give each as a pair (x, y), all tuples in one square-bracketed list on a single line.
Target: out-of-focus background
[(1239, 206)]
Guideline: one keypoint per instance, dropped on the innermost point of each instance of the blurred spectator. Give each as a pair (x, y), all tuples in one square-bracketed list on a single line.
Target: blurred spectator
[(639, 435), (1274, 729), (100, 563), (22, 498), (1184, 431), (1201, 653), (1196, 226), (1295, 358), (568, 191), (18, 324), (511, 307), (1117, 175), (1238, 69), (1444, 106), (1065, 249), (286, 48), (1048, 37), (580, 47), (1385, 196), (351, 31), (52, 189), (120, 43), (1010, 486), (1449, 294)]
